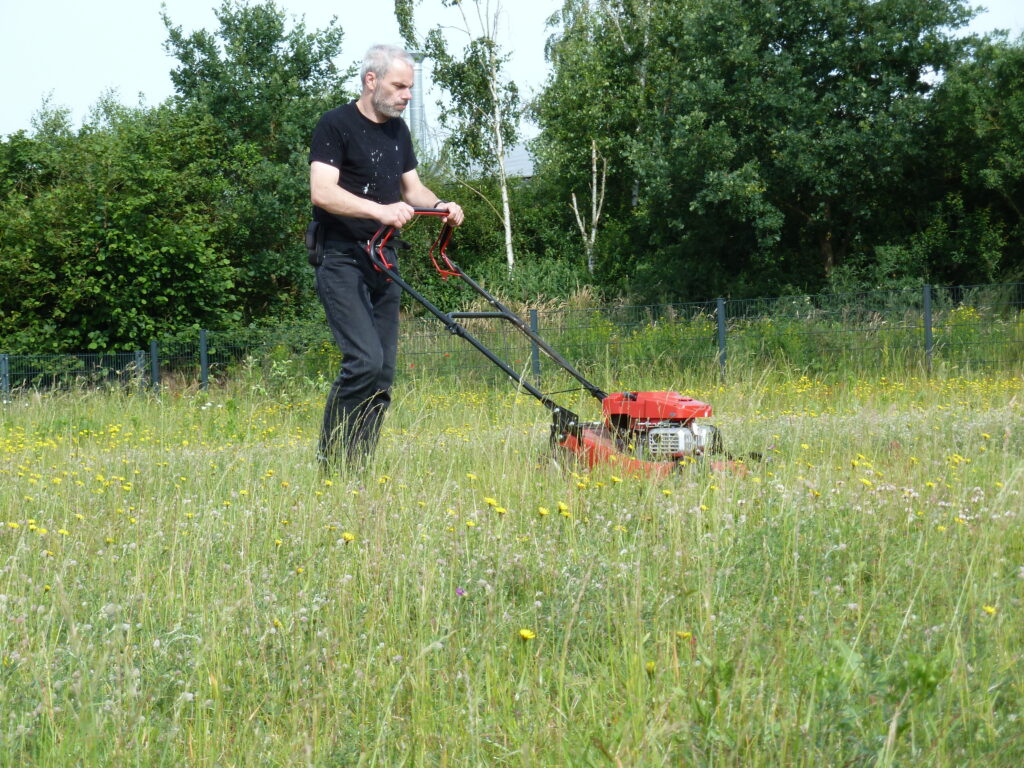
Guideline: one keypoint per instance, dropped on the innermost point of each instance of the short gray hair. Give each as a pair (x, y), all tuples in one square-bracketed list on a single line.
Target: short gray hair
[(380, 58)]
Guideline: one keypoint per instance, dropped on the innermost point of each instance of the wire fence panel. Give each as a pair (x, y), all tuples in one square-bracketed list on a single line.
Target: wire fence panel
[(960, 328), (67, 371)]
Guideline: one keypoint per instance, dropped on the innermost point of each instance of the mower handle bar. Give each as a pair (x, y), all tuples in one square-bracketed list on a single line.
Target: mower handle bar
[(375, 248)]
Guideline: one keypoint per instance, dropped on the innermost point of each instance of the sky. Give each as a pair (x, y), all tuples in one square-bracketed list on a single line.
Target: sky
[(73, 52)]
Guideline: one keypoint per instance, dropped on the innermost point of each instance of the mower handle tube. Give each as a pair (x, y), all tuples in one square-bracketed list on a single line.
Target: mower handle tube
[(503, 312), (375, 248)]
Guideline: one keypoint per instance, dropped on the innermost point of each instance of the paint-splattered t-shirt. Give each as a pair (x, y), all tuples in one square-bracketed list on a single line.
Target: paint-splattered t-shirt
[(371, 158)]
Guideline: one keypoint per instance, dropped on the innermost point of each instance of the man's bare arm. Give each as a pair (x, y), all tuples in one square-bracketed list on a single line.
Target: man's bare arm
[(416, 192), (325, 193)]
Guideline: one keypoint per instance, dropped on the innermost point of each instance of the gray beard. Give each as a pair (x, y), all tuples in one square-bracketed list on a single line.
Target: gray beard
[(383, 107)]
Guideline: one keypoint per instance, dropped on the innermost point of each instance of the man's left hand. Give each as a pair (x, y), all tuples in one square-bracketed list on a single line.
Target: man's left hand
[(455, 215)]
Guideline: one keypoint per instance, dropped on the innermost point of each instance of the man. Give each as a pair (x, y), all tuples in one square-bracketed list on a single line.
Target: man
[(362, 174)]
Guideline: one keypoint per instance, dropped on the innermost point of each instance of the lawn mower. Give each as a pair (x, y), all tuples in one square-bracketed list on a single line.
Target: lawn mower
[(650, 433)]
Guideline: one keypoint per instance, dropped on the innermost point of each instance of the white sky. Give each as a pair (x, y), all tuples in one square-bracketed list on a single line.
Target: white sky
[(74, 51)]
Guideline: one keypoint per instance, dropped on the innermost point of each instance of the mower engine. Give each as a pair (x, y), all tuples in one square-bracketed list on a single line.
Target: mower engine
[(661, 426)]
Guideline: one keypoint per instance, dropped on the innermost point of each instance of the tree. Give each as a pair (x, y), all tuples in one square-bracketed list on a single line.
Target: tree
[(773, 140), (105, 239), (482, 109), (264, 85), (155, 221), (979, 138), (598, 184), (594, 102)]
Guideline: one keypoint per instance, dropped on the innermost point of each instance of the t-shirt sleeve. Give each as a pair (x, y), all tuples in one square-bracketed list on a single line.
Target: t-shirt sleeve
[(410, 162), (327, 144)]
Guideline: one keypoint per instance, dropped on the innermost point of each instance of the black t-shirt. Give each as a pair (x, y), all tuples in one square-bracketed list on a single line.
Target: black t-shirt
[(371, 158)]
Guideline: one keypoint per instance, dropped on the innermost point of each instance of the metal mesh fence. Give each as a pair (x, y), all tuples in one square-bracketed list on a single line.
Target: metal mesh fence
[(953, 328)]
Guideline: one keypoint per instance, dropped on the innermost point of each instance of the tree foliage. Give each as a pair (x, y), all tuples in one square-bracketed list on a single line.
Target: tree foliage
[(772, 141), (264, 85), (750, 147), (150, 221), (979, 133), (107, 237), (482, 110)]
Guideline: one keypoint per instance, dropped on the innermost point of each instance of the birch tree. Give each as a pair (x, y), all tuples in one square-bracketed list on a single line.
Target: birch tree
[(482, 108), (597, 186)]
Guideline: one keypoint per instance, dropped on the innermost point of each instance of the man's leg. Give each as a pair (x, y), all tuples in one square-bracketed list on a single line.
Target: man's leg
[(348, 303), (386, 302)]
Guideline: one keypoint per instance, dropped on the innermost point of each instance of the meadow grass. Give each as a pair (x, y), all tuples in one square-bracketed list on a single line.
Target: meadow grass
[(179, 586)]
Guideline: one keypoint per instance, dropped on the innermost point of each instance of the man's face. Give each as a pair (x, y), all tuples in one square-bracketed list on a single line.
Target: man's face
[(393, 92)]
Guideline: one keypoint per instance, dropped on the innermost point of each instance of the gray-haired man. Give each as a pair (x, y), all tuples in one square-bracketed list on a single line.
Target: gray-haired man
[(363, 174)]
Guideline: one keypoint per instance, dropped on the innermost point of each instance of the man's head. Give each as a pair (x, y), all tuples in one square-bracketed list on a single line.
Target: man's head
[(387, 77)]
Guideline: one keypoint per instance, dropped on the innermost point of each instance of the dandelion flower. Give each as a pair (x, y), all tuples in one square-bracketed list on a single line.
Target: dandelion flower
[(527, 634), (348, 536), (542, 511), (649, 666), (991, 610)]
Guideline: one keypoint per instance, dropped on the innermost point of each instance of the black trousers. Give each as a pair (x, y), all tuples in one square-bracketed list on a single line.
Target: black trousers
[(362, 308)]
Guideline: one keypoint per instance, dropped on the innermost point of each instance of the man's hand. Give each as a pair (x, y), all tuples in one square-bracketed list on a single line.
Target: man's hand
[(455, 215), (396, 215)]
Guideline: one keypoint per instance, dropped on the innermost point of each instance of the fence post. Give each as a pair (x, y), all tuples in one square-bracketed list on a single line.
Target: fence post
[(928, 342), (204, 361), (5, 374), (534, 349), (154, 365), (721, 336)]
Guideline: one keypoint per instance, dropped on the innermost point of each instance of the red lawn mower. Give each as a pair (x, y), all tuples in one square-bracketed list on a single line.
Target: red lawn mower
[(651, 433)]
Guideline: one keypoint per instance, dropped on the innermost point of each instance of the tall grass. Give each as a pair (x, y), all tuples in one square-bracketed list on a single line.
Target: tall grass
[(178, 585)]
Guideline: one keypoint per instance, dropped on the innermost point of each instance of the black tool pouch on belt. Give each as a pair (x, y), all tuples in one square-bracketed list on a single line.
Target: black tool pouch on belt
[(315, 243)]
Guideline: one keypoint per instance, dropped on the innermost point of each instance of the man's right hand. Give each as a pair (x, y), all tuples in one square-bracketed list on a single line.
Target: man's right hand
[(396, 215)]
